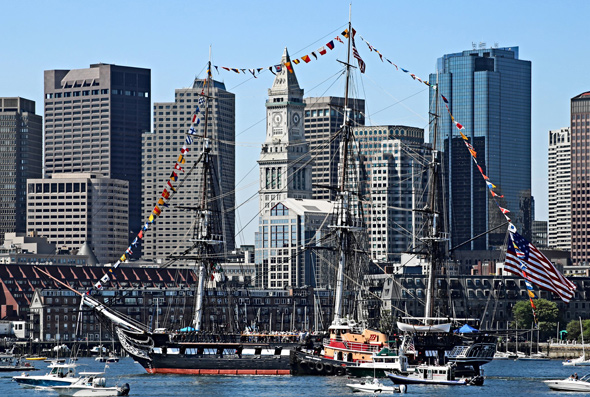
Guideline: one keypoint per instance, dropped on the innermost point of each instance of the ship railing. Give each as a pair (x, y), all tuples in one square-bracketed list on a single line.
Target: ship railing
[(355, 346), (458, 351)]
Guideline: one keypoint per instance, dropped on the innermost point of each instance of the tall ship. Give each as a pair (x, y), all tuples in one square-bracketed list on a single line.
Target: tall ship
[(349, 342), (196, 349)]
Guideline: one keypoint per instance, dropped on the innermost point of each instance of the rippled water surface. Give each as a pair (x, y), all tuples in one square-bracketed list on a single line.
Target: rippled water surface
[(503, 379)]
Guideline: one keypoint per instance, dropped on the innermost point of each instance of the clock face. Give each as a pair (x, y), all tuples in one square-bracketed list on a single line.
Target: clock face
[(277, 118), (296, 118)]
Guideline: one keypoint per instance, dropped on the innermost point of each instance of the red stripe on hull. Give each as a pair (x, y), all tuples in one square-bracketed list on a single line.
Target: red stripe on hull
[(188, 371)]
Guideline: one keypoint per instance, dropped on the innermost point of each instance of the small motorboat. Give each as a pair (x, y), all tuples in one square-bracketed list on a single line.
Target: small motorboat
[(36, 358), (91, 384), (10, 363), (374, 386), (433, 375), (570, 384), (60, 375)]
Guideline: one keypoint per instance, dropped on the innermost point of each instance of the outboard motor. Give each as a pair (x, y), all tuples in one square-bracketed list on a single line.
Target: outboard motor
[(125, 389)]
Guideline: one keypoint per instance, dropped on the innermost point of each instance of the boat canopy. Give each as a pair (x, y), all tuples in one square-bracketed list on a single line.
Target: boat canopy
[(466, 329), (424, 328)]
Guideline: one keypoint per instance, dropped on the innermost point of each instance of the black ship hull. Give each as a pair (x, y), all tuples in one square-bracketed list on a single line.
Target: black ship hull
[(165, 354), (306, 363)]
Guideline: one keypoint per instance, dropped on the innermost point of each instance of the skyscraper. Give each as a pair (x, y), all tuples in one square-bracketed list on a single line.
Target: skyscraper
[(395, 185), (559, 189), (170, 234), (324, 117), (489, 93), (580, 175), (285, 161), (285, 173), (77, 208), (94, 121), (21, 157)]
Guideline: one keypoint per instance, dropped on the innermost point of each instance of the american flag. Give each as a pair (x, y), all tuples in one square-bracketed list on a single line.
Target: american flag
[(523, 258), (355, 53)]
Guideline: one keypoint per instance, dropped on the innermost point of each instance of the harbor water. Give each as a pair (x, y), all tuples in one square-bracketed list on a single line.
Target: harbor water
[(503, 378)]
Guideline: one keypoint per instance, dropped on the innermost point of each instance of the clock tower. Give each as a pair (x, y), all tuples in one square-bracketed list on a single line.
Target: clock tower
[(285, 161)]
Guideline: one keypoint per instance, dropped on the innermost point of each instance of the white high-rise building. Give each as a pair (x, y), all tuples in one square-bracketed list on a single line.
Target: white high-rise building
[(71, 209), (394, 183), (559, 189), (285, 174), (171, 233)]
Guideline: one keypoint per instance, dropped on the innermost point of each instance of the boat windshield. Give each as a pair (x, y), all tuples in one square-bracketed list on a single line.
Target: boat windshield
[(585, 378)]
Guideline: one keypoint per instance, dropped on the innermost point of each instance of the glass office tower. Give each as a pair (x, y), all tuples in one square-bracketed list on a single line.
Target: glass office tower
[(489, 93)]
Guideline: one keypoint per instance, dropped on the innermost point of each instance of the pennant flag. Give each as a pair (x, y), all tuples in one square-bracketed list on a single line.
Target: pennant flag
[(314, 55), (116, 265), (463, 136), (330, 45), (288, 66), (146, 226), (243, 71), (177, 167), (157, 211), (339, 39), (355, 53), (166, 194), (490, 185), (192, 131), (98, 286), (181, 159), (404, 70), (482, 174), (540, 269), (184, 149), (494, 194), (306, 58), (188, 140), (161, 201), (134, 243), (105, 279), (216, 69), (296, 61), (345, 33), (443, 98), (259, 69), (223, 67), (140, 234), (278, 68), (235, 70), (128, 251), (171, 187), (532, 295), (201, 100), (322, 51), (473, 153), (253, 71), (270, 68), (504, 210), (174, 176), (151, 218), (459, 126), (123, 258)]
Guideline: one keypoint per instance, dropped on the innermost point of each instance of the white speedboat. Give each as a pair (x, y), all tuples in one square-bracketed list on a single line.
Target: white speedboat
[(433, 375), (59, 375), (91, 384), (375, 386), (570, 384)]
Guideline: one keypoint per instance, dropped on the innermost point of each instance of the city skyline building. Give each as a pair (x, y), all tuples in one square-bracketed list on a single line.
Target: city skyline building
[(94, 121), (71, 209), (171, 233), (324, 117), (580, 174), (21, 157), (489, 92), (559, 189), (395, 184)]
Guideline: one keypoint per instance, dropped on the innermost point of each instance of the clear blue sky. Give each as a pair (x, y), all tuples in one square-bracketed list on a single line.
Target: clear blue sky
[(172, 38)]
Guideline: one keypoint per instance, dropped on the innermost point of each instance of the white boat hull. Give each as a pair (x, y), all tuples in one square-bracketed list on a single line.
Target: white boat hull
[(376, 387), (568, 385), (88, 391)]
